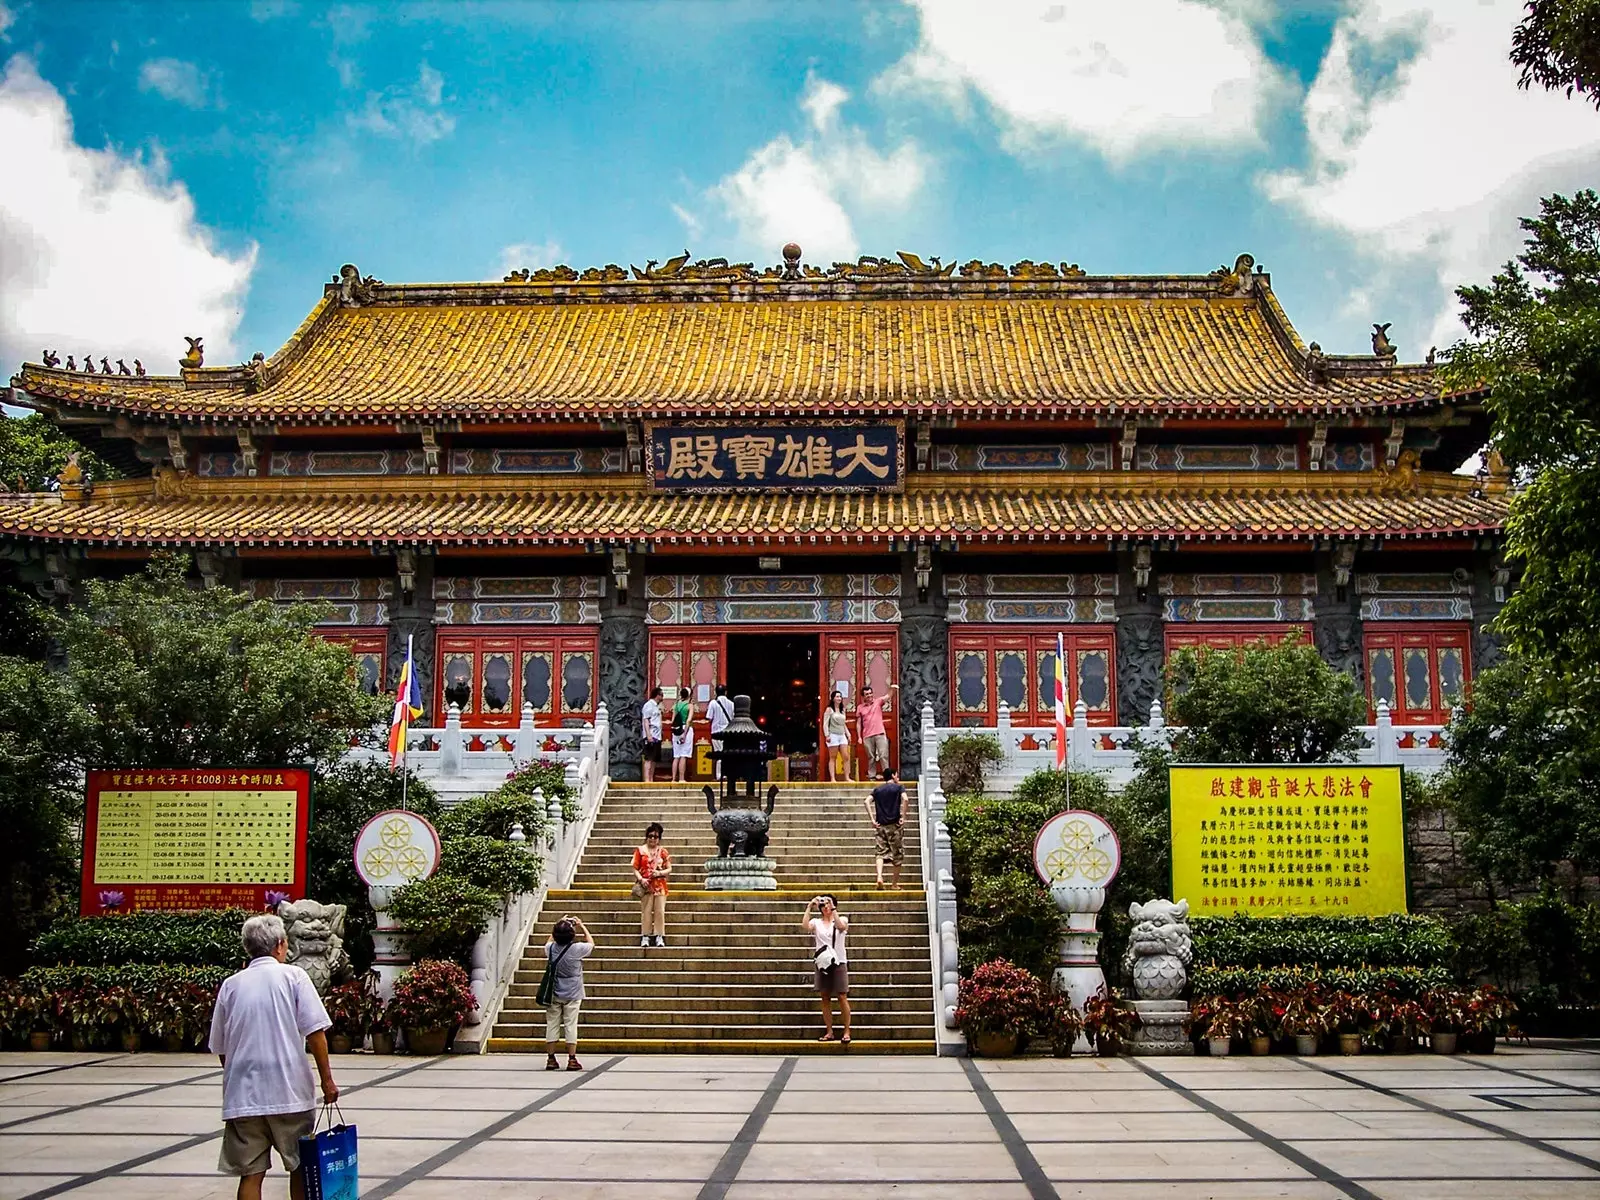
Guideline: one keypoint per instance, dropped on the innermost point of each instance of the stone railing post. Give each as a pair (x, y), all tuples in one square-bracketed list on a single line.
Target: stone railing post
[(602, 741), (1158, 719), (1387, 743), (525, 736), (930, 752), (451, 742), (1002, 731), (518, 837), (1078, 743)]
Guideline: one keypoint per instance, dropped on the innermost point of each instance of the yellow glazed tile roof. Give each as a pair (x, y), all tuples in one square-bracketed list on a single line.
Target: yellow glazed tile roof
[(457, 510), (1086, 346)]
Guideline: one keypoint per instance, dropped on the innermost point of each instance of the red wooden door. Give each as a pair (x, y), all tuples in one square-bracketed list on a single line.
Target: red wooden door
[(1421, 670), (990, 665), (679, 661), (490, 674), (851, 659)]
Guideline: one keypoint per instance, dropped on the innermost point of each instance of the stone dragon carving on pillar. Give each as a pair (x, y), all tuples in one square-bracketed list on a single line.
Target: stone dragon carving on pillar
[(1139, 655), (924, 678), (624, 642)]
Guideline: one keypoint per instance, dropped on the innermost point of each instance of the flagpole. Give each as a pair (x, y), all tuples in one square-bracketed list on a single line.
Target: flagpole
[(405, 730)]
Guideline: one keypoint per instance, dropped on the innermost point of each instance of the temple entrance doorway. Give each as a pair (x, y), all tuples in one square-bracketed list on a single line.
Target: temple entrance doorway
[(782, 675)]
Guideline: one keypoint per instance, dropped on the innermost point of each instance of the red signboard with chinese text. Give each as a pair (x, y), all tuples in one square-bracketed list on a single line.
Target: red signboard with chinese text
[(210, 838)]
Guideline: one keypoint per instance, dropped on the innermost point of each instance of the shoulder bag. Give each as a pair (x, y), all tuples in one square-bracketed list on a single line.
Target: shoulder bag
[(547, 981), (827, 956)]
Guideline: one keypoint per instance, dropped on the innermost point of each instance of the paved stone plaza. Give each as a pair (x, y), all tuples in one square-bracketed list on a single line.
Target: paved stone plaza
[(1523, 1124)]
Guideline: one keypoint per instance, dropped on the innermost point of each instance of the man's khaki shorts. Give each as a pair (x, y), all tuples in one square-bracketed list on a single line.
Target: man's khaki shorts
[(889, 841), (248, 1142)]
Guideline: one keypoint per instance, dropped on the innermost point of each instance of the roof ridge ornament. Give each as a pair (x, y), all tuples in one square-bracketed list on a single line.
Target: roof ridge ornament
[(195, 358), (718, 270), (1381, 345), (354, 288), (1240, 280)]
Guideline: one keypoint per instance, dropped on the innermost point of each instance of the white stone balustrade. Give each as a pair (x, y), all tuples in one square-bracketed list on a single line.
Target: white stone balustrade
[(1109, 750)]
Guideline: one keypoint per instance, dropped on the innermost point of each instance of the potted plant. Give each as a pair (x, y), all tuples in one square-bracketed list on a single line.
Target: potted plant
[(165, 1012), (1302, 1016), (1260, 1021), (1446, 1009), (1343, 1013), (1064, 1024), (121, 1012), (1484, 1019), (999, 1006), (430, 1002), (351, 1006), (30, 1016), (1107, 1024), (1221, 1021), (1407, 1020), (382, 1028)]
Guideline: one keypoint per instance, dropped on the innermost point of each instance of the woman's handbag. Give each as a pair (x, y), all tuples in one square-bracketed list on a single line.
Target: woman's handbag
[(547, 981), (641, 889), (827, 957)]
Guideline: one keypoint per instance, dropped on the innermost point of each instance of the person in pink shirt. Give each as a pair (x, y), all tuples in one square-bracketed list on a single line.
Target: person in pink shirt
[(869, 728)]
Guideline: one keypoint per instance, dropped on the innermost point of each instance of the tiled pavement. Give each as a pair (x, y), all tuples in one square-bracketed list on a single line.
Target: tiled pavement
[(1520, 1125)]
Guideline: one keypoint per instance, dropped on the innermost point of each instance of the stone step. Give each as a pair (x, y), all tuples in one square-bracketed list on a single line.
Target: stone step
[(622, 990), (729, 1045), (592, 1033), (663, 1010)]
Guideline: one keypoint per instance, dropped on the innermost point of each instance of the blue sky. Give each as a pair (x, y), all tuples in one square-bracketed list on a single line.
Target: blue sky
[(202, 168)]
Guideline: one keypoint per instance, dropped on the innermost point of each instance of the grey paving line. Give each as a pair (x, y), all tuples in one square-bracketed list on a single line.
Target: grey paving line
[(93, 1062), (1318, 1169), (455, 1150), (732, 1160), (137, 1092), (1428, 1106), (1033, 1176), (199, 1139), (1520, 1074)]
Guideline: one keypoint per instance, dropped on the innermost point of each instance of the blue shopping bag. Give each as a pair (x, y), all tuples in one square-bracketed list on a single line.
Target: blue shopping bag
[(328, 1160)]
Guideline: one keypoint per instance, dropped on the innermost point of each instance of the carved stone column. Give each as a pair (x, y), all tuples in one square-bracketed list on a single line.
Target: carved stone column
[(1336, 613), (624, 647), (1140, 645), (411, 615), (1492, 582), (924, 653)]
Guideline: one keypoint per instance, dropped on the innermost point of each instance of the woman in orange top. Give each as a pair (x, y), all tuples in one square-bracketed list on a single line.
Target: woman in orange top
[(652, 863)]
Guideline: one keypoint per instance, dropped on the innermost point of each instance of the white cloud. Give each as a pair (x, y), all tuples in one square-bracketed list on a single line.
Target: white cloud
[(177, 80), (804, 190), (7, 18), (533, 255), (414, 112), (1429, 163), (1127, 78), (101, 252)]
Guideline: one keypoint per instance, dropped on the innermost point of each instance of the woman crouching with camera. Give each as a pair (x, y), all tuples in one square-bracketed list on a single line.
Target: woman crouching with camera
[(828, 930)]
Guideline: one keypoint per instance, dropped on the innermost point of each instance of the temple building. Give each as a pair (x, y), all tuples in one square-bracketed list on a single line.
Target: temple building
[(570, 487)]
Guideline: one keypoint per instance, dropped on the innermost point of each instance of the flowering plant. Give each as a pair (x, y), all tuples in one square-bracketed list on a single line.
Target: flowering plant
[(1302, 1013), (434, 994), (1063, 1023), (353, 1007), (1105, 1022), (1487, 1011), (1001, 998), (1221, 1017), (1446, 1009)]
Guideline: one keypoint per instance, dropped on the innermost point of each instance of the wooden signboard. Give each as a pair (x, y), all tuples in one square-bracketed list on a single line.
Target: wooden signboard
[(819, 456), (212, 838)]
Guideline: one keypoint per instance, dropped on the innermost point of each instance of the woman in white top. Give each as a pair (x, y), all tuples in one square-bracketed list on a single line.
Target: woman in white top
[(682, 737), (828, 930), (836, 735)]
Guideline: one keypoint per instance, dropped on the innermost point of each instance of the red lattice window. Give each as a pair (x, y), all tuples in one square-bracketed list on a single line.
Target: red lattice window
[(990, 666), (370, 649), (1421, 670), (492, 674)]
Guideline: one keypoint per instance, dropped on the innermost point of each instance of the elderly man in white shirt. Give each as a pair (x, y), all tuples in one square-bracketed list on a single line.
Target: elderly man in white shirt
[(267, 1015)]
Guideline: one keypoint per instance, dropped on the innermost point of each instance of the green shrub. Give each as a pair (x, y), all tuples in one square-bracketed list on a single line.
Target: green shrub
[(1546, 950), (1325, 942), (209, 939), (964, 759), (493, 814), (445, 915), (503, 868), (1010, 916), (1406, 983), (95, 1001)]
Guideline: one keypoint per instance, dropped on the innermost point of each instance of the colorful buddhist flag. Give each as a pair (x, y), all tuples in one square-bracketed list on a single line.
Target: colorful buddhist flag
[(407, 707), (1061, 702)]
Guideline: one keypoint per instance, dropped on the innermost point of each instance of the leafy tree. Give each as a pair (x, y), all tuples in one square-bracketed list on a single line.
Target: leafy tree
[(1557, 45), (179, 677), (41, 803), (1522, 778), (1262, 704), (33, 451)]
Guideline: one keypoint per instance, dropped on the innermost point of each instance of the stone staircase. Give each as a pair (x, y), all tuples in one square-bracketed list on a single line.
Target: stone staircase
[(735, 976)]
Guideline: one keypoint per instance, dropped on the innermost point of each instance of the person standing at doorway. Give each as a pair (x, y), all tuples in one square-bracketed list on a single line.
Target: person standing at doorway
[(887, 808), (652, 863), (874, 737), (651, 719), (828, 930), (836, 737), (682, 737), (720, 713)]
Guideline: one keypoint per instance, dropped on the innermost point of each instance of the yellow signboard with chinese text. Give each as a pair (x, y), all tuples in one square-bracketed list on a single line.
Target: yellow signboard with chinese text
[(1278, 840)]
